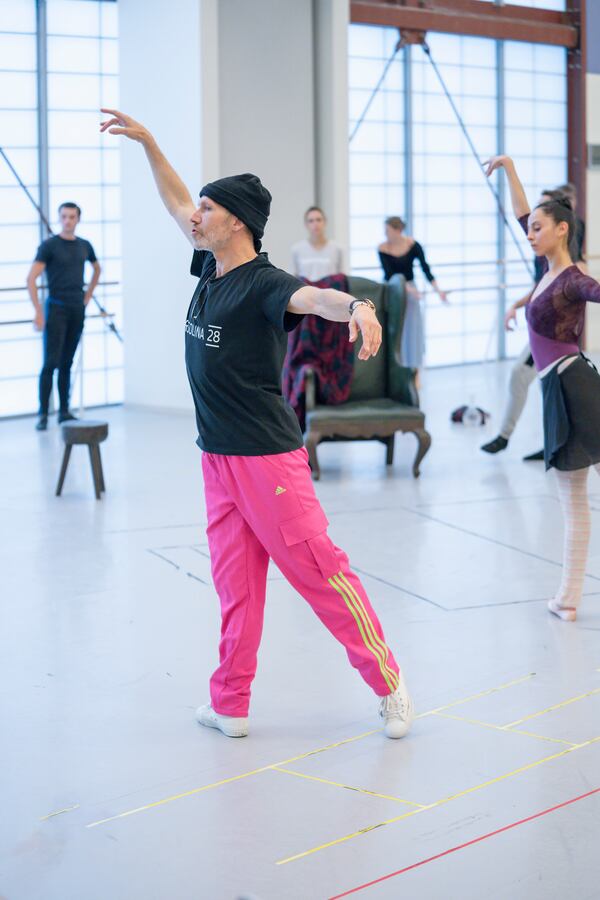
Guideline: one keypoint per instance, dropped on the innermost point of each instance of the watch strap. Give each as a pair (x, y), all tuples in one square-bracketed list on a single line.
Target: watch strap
[(358, 301)]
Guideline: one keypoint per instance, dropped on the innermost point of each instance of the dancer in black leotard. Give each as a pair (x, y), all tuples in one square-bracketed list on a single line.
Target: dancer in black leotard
[(398, 254)]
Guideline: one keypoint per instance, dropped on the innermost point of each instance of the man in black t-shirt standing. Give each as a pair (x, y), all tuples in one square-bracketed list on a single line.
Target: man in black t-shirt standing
[(260, 499), (63, 256)]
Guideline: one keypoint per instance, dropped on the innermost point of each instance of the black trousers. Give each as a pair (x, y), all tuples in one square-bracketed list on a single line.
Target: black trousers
[(62, 331)]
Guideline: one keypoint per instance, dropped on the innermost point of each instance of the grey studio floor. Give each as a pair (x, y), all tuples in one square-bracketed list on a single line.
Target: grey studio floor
[(111, 791)]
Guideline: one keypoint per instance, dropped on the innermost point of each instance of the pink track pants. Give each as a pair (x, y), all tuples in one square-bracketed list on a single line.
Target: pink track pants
[(265, 506)]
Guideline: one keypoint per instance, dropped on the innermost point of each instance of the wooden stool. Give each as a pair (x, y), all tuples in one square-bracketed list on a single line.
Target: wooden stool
[(92, 434)]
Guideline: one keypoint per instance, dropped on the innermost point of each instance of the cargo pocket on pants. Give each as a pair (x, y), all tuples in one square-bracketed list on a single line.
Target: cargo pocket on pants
[(311, 528)]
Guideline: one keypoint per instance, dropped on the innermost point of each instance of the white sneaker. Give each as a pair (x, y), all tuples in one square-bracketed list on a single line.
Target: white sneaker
[(232, 726), (397, 711), (566, 613)]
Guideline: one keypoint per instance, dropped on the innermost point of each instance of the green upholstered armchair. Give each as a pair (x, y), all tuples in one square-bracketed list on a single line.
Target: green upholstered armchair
[(383, 398)]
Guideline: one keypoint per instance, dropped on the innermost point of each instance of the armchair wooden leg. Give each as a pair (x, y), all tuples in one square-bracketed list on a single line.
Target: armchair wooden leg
[(424, 439), (310, 442), (389, 456)]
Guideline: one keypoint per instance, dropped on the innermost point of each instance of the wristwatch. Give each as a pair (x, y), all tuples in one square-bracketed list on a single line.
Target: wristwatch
[(366, 302)]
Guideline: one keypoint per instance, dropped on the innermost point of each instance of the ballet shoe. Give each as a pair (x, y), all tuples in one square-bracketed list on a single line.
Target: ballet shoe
[(499, 443), (566, 613)]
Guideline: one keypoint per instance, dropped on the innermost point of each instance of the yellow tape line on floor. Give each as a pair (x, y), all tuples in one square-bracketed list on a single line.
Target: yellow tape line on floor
[(494, 690), (548, 709), (414, 812), (285, 762), (59, 812), (348, 787), (216, 784), (540, 737)]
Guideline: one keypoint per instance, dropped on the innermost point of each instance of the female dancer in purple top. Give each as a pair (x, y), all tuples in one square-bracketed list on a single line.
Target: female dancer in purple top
[(555, 312)]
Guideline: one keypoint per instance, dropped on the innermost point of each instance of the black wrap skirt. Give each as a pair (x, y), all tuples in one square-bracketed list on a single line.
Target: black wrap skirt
[(571, 401)]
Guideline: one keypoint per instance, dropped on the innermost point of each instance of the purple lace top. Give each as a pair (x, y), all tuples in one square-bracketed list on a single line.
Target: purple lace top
[(555, 318)]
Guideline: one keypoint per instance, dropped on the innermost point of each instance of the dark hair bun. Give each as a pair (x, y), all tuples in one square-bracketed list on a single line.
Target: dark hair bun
[(565, 201)]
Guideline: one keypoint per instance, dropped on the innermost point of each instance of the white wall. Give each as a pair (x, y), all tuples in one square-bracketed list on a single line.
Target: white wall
[(161, 85), (593, 209)]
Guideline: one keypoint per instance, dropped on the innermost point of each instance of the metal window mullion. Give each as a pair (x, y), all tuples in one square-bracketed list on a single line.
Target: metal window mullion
[(42, 110), (501, 232), (408, 141)]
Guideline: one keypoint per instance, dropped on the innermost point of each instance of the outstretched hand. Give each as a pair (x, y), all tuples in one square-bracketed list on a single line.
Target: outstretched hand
[(496, 162), (123, 124), (510, 319), (365, 322)]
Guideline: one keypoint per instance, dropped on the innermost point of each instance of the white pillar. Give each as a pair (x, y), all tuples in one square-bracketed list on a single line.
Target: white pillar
[(332, 18), (266, 94)]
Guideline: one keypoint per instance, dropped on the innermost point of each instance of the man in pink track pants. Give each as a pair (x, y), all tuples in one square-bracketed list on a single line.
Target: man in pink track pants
[(260, 499)]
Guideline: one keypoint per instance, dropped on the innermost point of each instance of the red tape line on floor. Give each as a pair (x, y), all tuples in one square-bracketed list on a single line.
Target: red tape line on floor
[(483, 837)]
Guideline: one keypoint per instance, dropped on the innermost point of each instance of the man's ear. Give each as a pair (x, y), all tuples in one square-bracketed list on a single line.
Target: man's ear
[(237, 224)]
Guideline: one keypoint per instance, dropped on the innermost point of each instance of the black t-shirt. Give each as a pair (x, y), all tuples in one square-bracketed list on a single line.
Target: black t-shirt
[(235, 343), (65, 261)]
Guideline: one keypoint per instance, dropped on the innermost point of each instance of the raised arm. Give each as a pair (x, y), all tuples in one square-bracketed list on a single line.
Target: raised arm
[(335, 306), (517, 193), (173, 192)]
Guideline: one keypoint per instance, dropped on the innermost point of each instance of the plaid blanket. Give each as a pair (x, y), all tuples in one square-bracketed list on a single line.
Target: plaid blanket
[(324, 347)]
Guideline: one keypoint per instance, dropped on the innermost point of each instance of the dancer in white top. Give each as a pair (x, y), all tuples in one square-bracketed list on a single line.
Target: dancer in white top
[(317, 257)]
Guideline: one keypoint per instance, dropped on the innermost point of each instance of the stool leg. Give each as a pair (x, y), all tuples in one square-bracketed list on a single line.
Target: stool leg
[(95, 473), (63, 469), (100, 469), (389, 456)]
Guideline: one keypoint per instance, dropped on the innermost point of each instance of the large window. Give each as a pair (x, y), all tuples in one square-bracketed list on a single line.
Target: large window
[(377, 157), (409, 157), (454, 213), (58, 65), (535, 112)]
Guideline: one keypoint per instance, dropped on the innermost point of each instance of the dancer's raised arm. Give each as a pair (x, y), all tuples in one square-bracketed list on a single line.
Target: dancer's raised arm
[(517, 193), (173, 192)]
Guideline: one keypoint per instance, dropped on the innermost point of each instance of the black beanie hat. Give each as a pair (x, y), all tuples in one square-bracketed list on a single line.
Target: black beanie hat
[(246, 197)]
